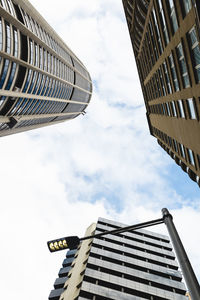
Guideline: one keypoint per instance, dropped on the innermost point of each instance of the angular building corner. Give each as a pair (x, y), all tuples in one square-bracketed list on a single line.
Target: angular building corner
[(165, 36), (131, 265), (42, 82)]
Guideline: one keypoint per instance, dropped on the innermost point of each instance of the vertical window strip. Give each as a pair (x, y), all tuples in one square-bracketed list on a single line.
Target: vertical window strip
[(187, 5), (8, 38), (195, 51), (168, 84), (173, 73), (163, 22), (183, 66), (1, 35), (173, 17), (191, 108)]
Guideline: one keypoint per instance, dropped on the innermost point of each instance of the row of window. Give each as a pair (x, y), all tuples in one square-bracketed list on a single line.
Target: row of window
[(35, 83), (40, 32), (8, 71), (139, 20), (131, 263), (185, 153), (24, 106), (136, 233), (136, 254), (157, 37), (107, 268), (147, 249), (38, 56), (10, 35), (178, 109), (33, 26), (160, 85), (162, 82), (33, 122), (25, 123), (38, 84), (139, 239), (41, 58)]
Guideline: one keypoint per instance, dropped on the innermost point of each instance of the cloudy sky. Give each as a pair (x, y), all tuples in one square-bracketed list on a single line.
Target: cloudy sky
[(57, 180)]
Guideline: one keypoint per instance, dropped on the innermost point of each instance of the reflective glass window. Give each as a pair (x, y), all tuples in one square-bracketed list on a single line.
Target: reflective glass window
[(153, 40), (163, 108), (191, 157), (16, 106), (169, 88), (33, 25), (162, 82), (41, 61), (41, 85), (183, 66), (27, 81), (157, 31), (27, 23), (31, 51), (4, 73), (36, 55), (175, 145), (32, 82), (48, 86), (3, 3), (174, 113), (15, 42), (195, 51), (173, 18), (44, 85), (44, 60), (37, 84), (12, 73), (38, 30), (181, 108), (2, 99), (51, 68), (191, 108), (182, 150), (187, 5), (11, 9), (8, 38), (168, 110), (173, 72), (1, 38), (163, 22), (49, 63)]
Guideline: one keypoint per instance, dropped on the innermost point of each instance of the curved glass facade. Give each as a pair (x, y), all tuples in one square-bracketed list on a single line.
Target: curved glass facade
[(39, 74)]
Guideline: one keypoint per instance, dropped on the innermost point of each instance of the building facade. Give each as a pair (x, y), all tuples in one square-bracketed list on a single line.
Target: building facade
[(42, 82), (132, 265), (165, 36)]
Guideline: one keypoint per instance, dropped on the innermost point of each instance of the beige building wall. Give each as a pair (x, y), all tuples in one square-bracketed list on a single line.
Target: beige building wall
[(73, 284)]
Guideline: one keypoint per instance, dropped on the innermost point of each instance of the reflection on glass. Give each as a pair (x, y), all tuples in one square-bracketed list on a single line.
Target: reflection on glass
[(191, 108)]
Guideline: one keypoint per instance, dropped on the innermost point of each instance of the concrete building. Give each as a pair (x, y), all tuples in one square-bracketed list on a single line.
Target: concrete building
[(132, 265), (42, 82), (165, 39)]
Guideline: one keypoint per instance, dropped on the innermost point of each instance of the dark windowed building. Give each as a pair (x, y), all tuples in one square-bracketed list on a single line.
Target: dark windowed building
[(165, 36), (42, 82), (132, 265)]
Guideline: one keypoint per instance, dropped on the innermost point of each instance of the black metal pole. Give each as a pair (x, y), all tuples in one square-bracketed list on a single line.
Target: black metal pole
[(123, 229), (188, 273)]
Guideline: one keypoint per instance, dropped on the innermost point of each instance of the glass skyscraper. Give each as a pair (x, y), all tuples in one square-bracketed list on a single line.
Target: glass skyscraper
[(128, 266), (42, 82)]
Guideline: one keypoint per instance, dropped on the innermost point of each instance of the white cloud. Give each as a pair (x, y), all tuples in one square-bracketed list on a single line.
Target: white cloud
[(57, 180)]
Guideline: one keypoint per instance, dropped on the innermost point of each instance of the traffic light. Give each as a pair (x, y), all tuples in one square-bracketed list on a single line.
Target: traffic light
[(70, 242)]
